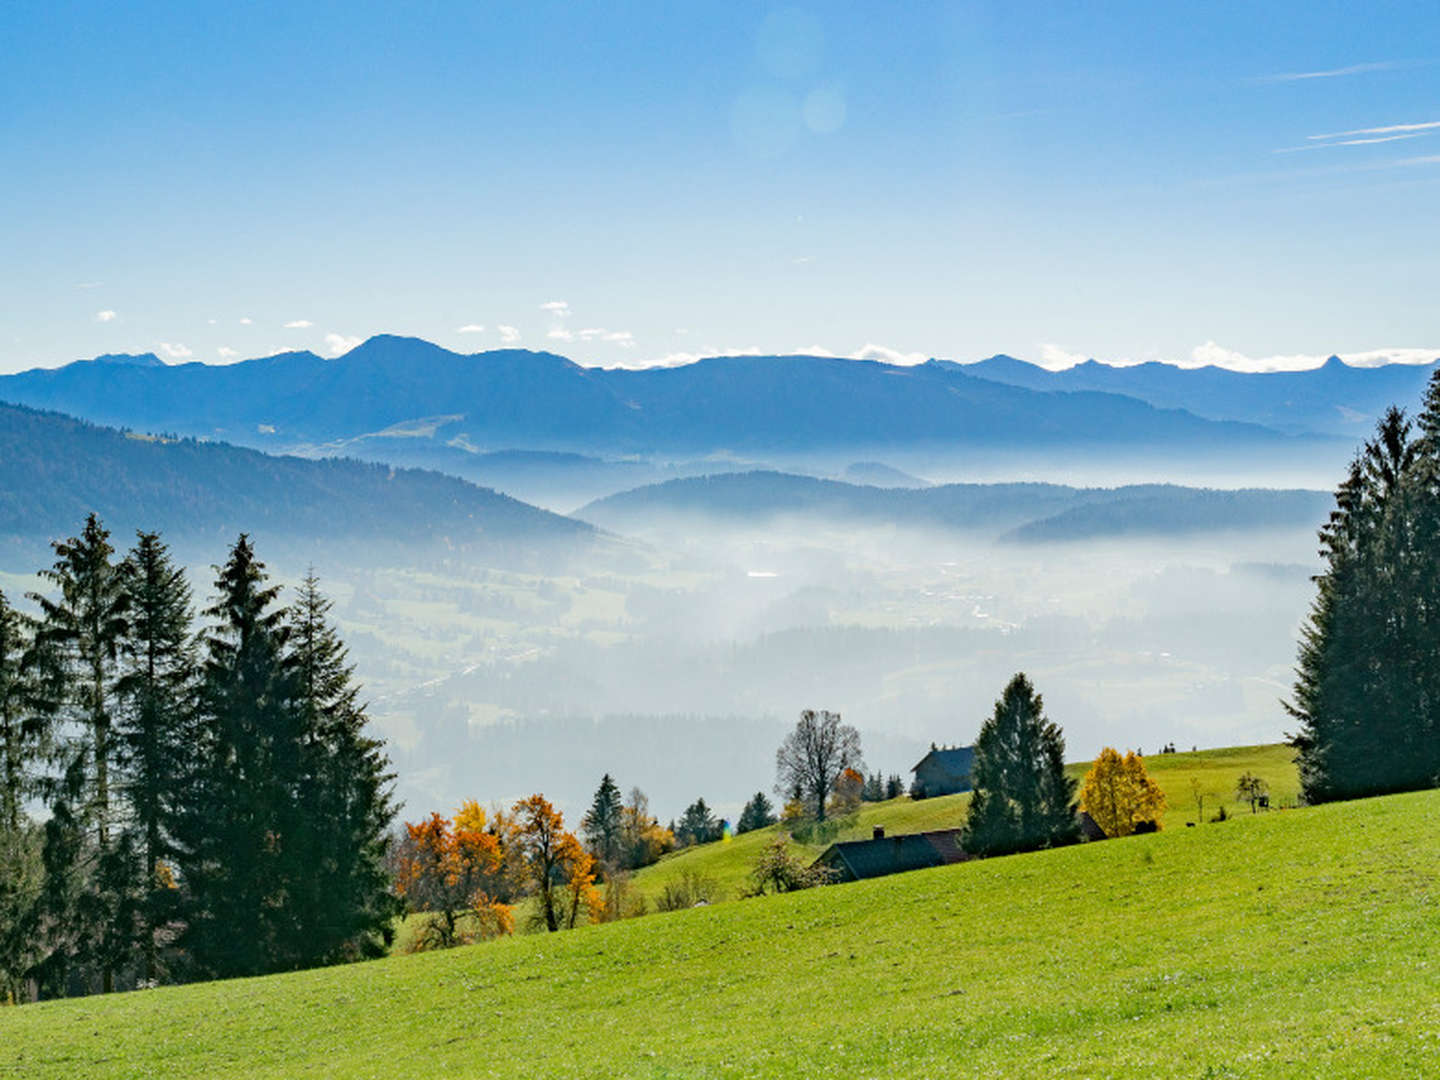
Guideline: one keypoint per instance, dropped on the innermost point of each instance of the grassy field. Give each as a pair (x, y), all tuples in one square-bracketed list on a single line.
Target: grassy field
[(1300, 943), (726, 864)]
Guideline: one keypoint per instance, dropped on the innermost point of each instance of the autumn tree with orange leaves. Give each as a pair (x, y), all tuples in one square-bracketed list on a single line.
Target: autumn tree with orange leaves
[(557, 867), (454, 873), (1119, 795)]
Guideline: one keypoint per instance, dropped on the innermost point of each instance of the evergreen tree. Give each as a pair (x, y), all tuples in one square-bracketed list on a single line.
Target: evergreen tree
[(234, 853), (894, 786), (84, 628), (156, 725), (1022, 800), (343, 907), (601, 825), (874, 788), (697, 824), (20, 867), (757, 814), (1367, 692)]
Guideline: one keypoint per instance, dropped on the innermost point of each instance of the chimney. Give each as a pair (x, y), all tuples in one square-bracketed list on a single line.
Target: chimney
[(879, 833)]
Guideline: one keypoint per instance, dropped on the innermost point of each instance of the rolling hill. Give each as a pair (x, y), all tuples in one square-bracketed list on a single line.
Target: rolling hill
[(1282, 946), (1028, 512), (508, 399)]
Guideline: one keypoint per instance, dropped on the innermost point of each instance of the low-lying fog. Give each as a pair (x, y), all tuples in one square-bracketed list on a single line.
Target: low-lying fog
[(682, 676)]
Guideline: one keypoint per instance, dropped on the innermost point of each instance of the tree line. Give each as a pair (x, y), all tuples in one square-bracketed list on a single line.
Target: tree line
[(181, 798), (1367, 688)]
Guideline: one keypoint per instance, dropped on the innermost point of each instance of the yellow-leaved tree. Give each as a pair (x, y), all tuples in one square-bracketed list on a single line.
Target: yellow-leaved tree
[(1119, 795)]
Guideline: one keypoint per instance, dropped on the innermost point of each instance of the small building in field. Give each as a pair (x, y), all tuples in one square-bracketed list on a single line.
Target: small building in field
[(854, 860), (943, 771)]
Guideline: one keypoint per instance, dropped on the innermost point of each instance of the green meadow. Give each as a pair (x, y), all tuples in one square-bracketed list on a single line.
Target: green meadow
[(1298, 943), (726, 864)]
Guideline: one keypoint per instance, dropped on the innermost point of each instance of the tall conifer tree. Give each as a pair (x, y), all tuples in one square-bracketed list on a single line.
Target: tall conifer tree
[(156, 690), (601, 824), (344, 907), (84, 628), (233, 850), (1022, 800)]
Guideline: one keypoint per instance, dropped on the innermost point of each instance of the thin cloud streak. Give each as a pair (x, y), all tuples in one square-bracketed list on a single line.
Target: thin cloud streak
[(1336, 73)]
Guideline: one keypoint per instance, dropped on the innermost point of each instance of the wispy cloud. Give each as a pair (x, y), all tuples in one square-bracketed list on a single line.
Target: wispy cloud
[(623, 338), (885, 353), (560, 334), (340, 343), (1337, 73), (175, 351), (299, 324), (105, 316), (1210, 354), (1347, 142), (246, 321), (1388, 129), (470, 328), (558, 308), (226, 353), (508, 334)]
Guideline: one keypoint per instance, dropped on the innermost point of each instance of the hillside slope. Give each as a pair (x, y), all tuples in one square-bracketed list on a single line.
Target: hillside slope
[(1032, 511), (1290, 945), (55, 469)]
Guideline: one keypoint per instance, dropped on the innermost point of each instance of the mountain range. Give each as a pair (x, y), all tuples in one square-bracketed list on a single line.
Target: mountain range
[(393, 391), (1334, 399)]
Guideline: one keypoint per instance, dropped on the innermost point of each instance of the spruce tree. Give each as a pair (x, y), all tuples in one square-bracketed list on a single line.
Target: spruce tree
[(602, 824), (343, 905), (757, 814), (233, 852), (697, 824), (156, 727), (1367, 696), (83, 629), (1022, 799), (20, 867)]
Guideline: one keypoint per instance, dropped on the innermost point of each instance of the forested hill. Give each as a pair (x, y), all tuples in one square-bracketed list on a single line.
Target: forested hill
[(55, 469), (419, 392), (1023, 512)]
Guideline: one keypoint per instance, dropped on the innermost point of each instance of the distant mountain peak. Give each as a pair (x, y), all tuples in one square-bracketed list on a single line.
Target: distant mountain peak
[(148, 359), (1335, 364)]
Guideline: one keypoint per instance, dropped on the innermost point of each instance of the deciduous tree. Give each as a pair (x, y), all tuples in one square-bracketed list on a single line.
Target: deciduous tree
[(1119, 794), (813, 756)]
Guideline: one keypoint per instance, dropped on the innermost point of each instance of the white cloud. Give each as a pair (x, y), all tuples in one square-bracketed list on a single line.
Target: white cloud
[(1212, 354), (508, 334), (813, 350), (299, 324), (1347, 142), (227, 353), (558, 308), (105, 316), (1389, 129), (175, 351), (560, 334), (339, 343), (470, 328), (1056, 358), (871, 351), (623, 338), (246, 321), (1335, 73)]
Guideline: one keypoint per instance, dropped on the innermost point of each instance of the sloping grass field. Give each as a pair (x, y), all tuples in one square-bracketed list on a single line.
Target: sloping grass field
[(726, 864), (1299, 943)]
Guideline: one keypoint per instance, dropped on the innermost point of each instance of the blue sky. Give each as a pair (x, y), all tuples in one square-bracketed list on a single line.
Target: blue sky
[(636, 183)]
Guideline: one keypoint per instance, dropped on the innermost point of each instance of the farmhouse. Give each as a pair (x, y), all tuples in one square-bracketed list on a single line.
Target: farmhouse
[(853, 860), (943, 771)]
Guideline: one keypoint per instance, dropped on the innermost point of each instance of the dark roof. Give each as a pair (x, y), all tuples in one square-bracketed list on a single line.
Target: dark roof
[(953, 759), (856, 859)]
